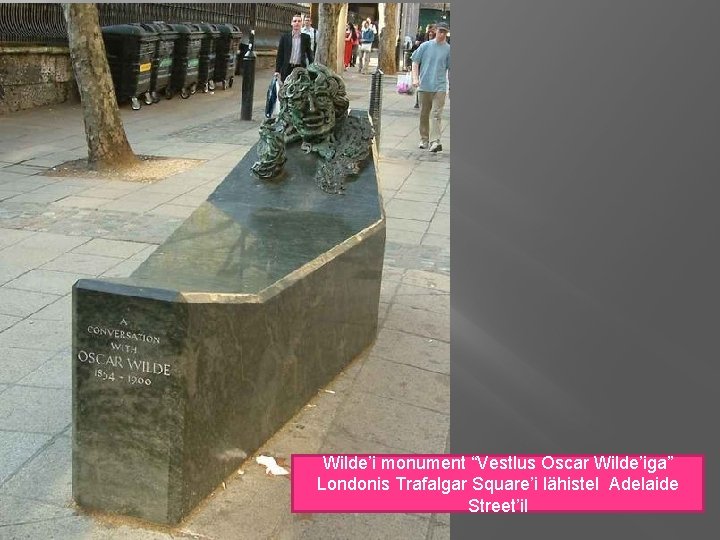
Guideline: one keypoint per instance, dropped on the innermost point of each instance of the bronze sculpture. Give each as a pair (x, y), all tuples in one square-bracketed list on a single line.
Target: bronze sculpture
[(314, 110)]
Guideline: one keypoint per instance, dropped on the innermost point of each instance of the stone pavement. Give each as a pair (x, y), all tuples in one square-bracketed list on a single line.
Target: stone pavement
[(53, 231)]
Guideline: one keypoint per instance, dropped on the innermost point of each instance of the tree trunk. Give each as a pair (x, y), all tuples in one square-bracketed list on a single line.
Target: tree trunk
[(328, 28), (339, 66), (314, 14), (108, 146), (388, 41)]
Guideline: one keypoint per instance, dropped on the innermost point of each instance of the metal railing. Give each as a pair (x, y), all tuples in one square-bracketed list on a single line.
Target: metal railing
[(44, 24)]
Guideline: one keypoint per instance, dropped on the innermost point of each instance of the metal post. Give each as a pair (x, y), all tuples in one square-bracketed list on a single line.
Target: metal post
[(376, 102), (248, 82), (398, 55)]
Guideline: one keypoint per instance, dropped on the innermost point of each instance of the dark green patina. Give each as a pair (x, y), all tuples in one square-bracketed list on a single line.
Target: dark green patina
[(314, 111)]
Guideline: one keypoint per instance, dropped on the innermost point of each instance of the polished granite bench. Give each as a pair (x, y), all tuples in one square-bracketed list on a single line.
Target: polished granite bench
[(258, 300)]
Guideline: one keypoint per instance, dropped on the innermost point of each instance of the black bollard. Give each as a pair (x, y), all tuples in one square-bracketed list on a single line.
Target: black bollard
[(376, 103), (248, 82), (398, 55)]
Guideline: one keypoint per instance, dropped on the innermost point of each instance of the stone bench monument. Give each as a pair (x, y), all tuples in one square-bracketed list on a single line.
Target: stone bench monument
[(258, 300)]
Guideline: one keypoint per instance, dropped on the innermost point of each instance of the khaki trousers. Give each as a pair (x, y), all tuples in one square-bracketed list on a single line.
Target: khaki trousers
[(431, 103)]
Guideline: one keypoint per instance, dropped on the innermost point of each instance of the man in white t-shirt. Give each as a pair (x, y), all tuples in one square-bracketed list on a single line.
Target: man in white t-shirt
[(310, 31)]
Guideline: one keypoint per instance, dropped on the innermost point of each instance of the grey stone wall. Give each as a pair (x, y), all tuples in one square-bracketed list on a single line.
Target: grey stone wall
[(32, 76)]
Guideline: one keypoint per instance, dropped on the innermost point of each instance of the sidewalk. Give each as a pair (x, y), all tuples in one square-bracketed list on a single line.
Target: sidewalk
[(53, 231)]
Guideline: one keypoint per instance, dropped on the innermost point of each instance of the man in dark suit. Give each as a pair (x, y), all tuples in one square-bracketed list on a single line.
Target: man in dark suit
[(294, 50)]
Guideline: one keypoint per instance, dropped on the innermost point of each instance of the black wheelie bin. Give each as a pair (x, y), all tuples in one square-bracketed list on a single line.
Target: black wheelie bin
[(227, 49), (130, 53), (208, 55), (164, 58), (186, 62)]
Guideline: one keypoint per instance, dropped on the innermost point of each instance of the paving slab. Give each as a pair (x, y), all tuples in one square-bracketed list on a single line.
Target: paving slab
[(46, 478), (28, 257), (26, 519), (18, 362), (8, 175), (79, 201), (418, 196), (38, 334), (26, 184), (35, 409), (53, 243), (16, 448), (441, 224), (422, 352), (406, 384), (423, 298), (428, 280), (114, 190), (7, 195), (420, 322), (436, 240), (88, 264), (19, 303), (411, 225), (53, 373), (47, 281), (111, 248), (24, 169), (60, 310), (356, 527), (172, 210), (392, 423), (8, 321), (439, 531), (404, 237)]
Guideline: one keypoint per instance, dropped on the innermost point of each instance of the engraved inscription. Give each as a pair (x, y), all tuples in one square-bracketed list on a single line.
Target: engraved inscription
[(122, 334), (123, 363)]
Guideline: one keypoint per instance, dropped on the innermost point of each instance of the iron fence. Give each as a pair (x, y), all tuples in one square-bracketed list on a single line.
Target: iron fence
[(32, 23), (44, 24)]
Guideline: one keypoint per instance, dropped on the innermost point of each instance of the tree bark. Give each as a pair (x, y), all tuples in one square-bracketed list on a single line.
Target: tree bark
[(339, 66), (328, 28), (388, 40), (314, 14), (108, 146)]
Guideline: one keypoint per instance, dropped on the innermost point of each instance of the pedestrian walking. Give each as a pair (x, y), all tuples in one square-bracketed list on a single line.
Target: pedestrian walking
[(430, 67), (355, 44), (310, 31), (293, 50), (367, 36), (431, 31), (349, 35)]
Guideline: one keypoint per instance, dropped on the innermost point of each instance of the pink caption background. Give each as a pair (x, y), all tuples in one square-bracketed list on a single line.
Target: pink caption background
[(317, 487)]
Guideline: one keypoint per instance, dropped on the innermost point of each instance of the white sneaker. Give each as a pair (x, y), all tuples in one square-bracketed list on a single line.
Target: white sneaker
[(435, 146), (423, 145)]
